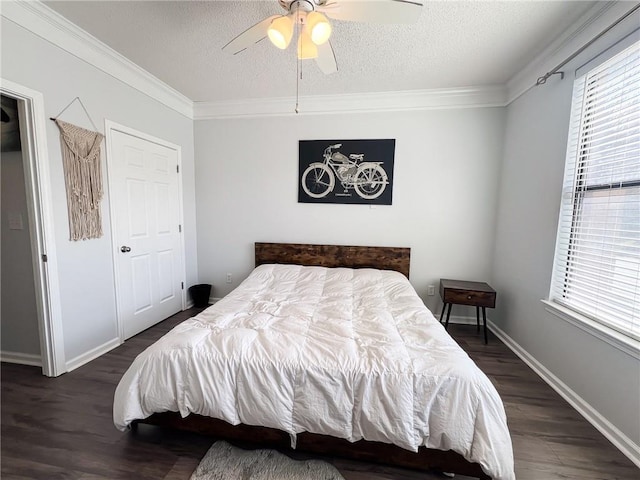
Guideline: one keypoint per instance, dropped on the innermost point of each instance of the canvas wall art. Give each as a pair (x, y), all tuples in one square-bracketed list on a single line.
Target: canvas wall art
[(346, 171)]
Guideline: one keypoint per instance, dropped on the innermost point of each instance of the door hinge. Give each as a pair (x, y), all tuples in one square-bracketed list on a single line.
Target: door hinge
[(182, 285), (177, 168), (180, 228), (44, 257)]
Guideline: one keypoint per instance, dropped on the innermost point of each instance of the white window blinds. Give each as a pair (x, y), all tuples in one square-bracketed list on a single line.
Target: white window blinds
[(597, 262)]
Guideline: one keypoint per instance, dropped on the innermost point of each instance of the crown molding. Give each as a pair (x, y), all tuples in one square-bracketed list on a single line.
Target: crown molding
[(56, 29), (467, 97), (594, 21)]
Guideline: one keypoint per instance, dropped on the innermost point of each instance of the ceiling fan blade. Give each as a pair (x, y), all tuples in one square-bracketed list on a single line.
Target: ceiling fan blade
[(326, 59), (373, 11), (249, 37)]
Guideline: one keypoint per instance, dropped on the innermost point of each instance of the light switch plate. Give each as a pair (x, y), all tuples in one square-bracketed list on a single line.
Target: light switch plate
[(15, 221)]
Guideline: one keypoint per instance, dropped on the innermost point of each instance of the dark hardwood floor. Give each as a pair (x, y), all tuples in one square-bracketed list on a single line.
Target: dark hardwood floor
[(61, 428)]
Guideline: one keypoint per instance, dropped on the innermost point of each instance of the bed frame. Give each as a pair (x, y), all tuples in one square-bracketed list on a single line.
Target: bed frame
[(384, 258)]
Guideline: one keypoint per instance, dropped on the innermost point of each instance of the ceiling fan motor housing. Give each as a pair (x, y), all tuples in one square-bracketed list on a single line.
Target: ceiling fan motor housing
[(301, 5)]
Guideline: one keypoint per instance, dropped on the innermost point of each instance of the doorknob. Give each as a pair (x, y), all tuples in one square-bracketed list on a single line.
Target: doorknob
[(125, 249)]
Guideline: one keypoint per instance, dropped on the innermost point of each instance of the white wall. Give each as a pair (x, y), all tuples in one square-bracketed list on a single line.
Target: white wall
[(444, 194), (19, 318), (85, 267), (604, 378)]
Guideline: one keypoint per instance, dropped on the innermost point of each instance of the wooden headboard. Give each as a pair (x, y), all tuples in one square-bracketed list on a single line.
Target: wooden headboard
[(383, 258)]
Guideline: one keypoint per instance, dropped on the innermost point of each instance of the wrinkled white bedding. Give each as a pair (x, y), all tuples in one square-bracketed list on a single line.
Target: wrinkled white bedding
[(348, 353)]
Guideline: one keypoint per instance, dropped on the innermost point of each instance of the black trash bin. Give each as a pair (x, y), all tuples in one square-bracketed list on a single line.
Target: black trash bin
[(200, 294)]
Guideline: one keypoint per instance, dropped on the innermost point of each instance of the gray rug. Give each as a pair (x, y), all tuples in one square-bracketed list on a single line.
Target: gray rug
[(226, 462)]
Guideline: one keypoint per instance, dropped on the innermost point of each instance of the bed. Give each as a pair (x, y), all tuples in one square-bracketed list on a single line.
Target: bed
[(327, 349)]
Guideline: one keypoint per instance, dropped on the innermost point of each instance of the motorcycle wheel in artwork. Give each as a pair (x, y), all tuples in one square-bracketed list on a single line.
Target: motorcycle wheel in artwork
[(367, 179), (371, 180), (318, 180)]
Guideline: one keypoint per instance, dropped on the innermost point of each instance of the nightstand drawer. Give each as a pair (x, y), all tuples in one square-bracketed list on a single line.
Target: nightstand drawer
[(467, 297)]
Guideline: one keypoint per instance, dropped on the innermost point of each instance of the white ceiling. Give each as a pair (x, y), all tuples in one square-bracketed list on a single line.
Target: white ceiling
[(453, 44)]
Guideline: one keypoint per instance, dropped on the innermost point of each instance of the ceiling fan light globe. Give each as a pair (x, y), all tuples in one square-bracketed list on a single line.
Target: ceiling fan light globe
[(306, 48), (319, 27), (277, 39), (280, 32), (321, 33)]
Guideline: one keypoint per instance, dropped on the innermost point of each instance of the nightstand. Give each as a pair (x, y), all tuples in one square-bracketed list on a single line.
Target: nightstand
[(461, 292)]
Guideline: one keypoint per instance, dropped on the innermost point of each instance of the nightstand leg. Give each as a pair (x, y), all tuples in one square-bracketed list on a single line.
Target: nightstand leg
[(446, 325), (484, 321), (444, 306), (477, 319)]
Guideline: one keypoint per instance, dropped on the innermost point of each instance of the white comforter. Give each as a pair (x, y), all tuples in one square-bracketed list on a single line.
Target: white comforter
[(349, 353)]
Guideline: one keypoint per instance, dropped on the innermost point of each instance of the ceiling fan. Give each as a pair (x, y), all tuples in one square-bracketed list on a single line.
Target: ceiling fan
[(309, 19)]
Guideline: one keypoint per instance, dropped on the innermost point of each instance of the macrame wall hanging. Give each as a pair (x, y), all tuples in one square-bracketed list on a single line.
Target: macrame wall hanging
[(81, 160)]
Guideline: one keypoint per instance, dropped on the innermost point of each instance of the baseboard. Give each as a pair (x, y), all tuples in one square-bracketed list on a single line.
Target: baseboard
[(604, 426), (92, 354), (460, 320), (21, 358), (211, 301)]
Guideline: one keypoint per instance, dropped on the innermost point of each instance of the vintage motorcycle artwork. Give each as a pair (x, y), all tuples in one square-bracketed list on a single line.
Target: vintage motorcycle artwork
[(367, 179)]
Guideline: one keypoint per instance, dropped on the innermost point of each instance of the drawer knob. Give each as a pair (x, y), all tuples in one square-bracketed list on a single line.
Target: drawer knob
[(469, 297)]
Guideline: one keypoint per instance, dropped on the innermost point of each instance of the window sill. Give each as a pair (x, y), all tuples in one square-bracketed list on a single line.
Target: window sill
[(612, 337)]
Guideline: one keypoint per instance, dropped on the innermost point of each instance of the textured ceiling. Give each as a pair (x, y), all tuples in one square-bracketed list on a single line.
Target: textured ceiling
[(452, 44)]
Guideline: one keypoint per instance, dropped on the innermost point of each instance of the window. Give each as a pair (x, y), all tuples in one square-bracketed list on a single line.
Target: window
[(597, 261)]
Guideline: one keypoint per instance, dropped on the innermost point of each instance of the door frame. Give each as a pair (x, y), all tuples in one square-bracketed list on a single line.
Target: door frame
[(110, 128), (33, 133)]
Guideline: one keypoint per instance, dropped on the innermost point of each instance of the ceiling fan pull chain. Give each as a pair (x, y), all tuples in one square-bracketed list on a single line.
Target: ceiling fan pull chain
[(298, 76), (298, 83), (298, 61)]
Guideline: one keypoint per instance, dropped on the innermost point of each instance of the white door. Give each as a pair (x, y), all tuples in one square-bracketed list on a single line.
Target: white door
[(144, 189)]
